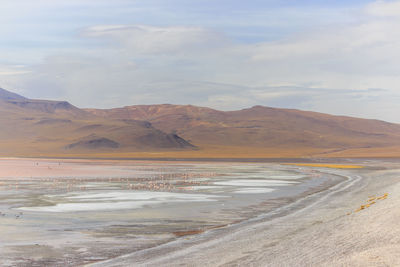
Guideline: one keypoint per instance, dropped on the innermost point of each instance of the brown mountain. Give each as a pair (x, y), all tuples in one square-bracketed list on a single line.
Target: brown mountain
[(41, 127), (264, 131), (56, 128)]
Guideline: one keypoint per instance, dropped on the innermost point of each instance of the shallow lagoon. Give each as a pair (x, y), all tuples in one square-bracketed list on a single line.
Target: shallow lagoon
[(76, 212)]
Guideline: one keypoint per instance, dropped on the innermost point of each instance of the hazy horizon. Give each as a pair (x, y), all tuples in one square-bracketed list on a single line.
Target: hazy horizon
[(96, 171), (336, 57)]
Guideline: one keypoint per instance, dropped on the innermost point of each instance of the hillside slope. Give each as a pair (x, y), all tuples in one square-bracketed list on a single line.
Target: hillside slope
[(265, 128), (56, 128), (41, 127)]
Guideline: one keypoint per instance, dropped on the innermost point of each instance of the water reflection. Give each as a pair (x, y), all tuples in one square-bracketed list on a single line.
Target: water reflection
[(143, 203)]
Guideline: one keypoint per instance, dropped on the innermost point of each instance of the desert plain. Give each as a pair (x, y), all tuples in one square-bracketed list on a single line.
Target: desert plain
[(150, 213)]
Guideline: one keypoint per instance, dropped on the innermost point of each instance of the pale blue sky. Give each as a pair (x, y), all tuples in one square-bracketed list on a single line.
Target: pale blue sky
[(338, 57)]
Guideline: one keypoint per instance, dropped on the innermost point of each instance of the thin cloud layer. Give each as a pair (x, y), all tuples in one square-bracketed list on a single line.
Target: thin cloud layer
[(151, 40), (331, 68)]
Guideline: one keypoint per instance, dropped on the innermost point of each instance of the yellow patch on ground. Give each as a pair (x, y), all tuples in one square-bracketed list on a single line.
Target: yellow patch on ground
[(383, 197), (372, 200), (327, 165)]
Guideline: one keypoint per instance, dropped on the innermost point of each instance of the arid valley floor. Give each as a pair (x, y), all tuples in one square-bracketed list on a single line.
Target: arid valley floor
[(147, 213), (167, 133)]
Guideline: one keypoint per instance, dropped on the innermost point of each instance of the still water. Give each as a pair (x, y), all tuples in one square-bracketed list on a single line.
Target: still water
[(75, 212)]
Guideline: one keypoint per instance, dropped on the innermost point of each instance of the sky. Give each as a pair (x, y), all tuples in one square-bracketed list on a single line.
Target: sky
[(338, 57)]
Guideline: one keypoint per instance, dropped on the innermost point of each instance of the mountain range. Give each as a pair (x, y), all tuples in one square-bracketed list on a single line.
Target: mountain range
[(47, 128)]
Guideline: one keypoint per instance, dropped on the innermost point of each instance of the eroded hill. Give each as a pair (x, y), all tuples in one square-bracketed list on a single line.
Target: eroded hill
[(57, 128), (40, 127), (263, 128)]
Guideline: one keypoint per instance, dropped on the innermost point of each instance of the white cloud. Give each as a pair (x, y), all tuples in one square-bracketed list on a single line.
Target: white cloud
[(144, 39), (7, 70), (144, 64), (384, 8)]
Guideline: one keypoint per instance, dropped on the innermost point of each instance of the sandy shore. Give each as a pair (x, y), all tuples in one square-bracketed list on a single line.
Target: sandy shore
[(322, 230)]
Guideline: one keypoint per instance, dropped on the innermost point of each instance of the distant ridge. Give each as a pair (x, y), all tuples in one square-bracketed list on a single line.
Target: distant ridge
[(48, 106), (7, 95), (32, 127), (260, 128)]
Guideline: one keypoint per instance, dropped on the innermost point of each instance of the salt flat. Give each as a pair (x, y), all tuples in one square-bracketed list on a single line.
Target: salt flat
[(74, 212), (325, 229), (131, 213)]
